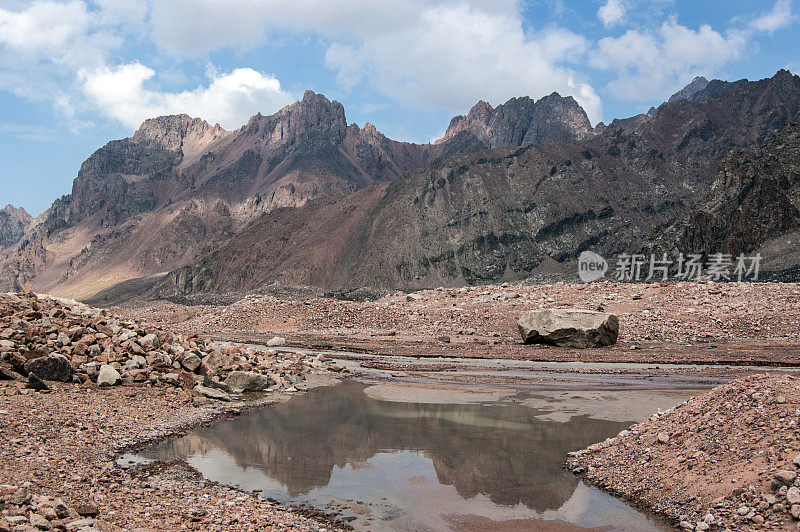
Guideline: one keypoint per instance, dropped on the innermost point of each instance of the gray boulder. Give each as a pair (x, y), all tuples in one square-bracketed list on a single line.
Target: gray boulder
[(50, 368), (149, 340), (108, 376), (277, 342), (212, 393), (247, 381), (215, 360), (191, 362), (569, 328)]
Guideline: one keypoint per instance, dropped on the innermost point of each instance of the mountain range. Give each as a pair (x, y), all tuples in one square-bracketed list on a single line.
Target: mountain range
[(509, 193)]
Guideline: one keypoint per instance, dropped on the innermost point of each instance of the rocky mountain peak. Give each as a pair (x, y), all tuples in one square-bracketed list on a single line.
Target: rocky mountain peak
[(696, 85), (313, 120), (180, 134), (13, 223), (522, 121), (170, 131)]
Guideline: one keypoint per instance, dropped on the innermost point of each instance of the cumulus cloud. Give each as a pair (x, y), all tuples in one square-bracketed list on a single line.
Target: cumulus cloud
[(229, 99), (611, 13), (458, 54), (652, 64), (778, 17), (655, 63)]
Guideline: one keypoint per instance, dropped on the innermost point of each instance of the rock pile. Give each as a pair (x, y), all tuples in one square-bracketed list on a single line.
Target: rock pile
[(23, 510), (729, 458), (46, 339)]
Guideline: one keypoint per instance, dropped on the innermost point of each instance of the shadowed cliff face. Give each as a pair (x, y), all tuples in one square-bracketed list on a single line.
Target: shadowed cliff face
[(501, 451), (754, 200)]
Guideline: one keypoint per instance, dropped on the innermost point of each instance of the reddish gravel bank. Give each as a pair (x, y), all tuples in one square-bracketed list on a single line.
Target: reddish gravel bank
[(728, 459)]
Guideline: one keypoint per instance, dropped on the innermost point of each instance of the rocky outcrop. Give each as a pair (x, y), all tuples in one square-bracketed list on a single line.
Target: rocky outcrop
[(13, 223), (696, 85), (517, 122), (569, 328), (754, 199)]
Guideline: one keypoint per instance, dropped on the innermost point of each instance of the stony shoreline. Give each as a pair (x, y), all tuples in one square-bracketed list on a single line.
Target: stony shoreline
[(724, 460), (60, 441), (65, 440)]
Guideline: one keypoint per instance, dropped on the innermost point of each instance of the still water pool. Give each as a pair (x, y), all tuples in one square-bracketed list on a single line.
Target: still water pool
[(411, 466)]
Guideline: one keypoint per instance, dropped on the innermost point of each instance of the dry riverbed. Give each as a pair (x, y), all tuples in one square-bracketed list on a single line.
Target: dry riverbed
[(739, 323)]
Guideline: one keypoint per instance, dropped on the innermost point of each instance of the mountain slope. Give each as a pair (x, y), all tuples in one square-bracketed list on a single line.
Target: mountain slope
[(506, 214), (754, 201), (180, 187)]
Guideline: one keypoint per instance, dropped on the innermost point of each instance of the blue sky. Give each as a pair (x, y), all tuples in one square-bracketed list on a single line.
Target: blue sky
[(76, 74)]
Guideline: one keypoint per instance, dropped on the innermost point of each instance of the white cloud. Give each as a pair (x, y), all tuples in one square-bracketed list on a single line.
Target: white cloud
[(457, 54), (778, 17), (229, 99), (64, 34), (611, 13), (654, 64), (195, 27)]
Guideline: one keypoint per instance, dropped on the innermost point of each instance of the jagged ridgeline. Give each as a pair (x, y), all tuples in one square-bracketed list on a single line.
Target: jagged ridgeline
[(302, 198)]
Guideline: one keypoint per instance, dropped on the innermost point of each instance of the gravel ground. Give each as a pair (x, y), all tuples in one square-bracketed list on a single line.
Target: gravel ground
[(742, 323), (725, 460), (719, 453), (65, 443)]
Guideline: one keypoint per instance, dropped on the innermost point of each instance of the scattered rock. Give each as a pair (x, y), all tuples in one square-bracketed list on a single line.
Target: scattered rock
[(191, 362), (87, 509), (52, 368), (212, 393), (785, 477), (149, 340), (108, 376), (39, 522), (35, 383), (247, 381), (277, 342)]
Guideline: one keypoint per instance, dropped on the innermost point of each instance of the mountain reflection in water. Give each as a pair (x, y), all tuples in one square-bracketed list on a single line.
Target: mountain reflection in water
[(499, 450)]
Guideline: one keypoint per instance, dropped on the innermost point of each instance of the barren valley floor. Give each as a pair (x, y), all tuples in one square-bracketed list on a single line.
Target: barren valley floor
[(460, 346)]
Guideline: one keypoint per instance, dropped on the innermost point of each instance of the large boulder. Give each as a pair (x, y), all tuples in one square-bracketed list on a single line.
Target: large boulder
[(569, 328), (247, 381), (50, 368)]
